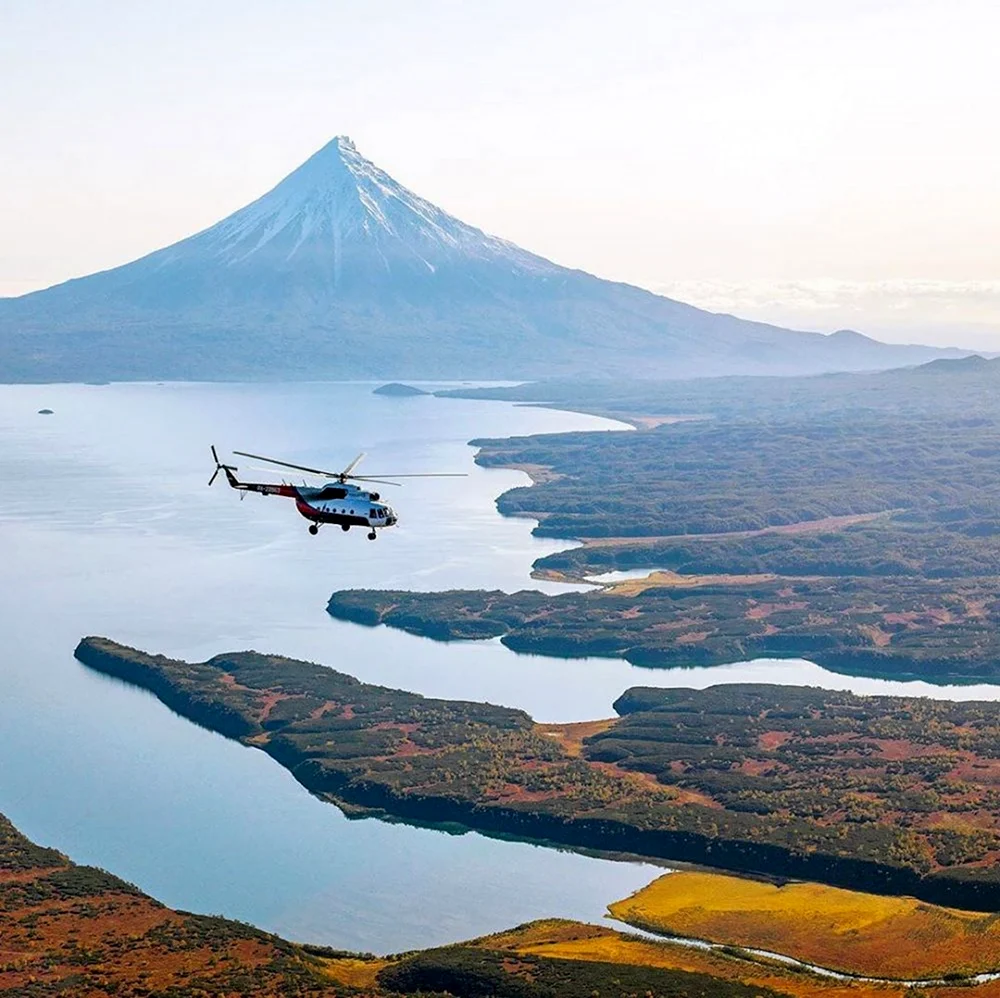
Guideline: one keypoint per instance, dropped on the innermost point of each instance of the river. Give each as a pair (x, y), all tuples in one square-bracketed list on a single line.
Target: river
[(107, 527)]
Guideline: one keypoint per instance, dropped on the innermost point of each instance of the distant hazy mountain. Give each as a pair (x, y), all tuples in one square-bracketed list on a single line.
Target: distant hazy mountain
[(339, 271)]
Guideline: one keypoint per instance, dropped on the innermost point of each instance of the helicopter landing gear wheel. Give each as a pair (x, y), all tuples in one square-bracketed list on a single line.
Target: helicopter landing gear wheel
[(372, 535), (314, 529), (345, 527)]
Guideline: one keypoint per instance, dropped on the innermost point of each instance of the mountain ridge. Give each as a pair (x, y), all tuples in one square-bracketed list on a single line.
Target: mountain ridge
[(341, 271)]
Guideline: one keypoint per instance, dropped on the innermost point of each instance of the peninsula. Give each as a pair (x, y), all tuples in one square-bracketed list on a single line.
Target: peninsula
[(850, 519), (896, 793)]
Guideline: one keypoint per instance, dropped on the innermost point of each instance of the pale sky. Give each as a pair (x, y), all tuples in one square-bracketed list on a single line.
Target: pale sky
[(818, 164)]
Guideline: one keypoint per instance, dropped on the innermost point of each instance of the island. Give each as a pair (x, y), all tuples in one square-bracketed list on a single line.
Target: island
[(898, 794), (46, 412), (395, 389)]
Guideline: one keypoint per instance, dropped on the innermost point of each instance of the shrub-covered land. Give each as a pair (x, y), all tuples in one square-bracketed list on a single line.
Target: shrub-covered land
[(479, 972), (942, 388), (899, 794), (68, 930), (554, 938), (76, 930), (713, 477), (852, 519), (900, 626)]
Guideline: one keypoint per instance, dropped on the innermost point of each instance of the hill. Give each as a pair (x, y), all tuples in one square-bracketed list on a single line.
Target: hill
[(340, 271)]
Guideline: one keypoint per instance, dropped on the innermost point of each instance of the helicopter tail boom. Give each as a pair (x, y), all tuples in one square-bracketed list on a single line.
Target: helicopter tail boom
[(265, 488)]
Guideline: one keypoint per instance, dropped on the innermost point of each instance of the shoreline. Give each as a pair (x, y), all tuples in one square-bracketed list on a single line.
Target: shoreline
[(365, 790)]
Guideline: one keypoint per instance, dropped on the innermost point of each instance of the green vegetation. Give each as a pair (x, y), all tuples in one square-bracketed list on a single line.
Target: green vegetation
[(900, 626), (851, 519), (67, 930), (801, 782), (714, 477), (478, 972), (942, 388)]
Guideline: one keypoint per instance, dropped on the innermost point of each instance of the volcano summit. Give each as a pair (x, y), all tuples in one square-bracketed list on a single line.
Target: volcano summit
[(341, 272)]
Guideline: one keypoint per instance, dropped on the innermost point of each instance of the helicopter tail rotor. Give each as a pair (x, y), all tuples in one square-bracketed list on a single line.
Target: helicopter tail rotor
[(219, 466)]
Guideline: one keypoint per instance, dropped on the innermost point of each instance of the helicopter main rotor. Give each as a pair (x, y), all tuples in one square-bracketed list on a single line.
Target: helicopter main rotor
[(346, 474)]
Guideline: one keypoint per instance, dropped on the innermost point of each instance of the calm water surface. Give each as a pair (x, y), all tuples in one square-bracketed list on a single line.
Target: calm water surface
[(106, 527)]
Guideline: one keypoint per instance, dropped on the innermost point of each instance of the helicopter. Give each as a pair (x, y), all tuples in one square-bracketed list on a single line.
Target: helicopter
[(338, 501)]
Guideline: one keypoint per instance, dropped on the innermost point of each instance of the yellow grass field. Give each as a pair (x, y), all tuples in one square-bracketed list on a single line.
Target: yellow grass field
[(352, 971), (562, 940), (850, 931)]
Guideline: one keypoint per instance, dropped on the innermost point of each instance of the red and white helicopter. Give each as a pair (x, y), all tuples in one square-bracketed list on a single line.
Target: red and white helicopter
[(338, 501)]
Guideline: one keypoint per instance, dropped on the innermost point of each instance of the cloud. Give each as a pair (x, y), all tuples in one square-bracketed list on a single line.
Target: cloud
[(959, 313)]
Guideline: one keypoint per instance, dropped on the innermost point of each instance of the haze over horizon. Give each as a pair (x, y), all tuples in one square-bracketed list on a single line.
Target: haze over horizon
[(816, 168)]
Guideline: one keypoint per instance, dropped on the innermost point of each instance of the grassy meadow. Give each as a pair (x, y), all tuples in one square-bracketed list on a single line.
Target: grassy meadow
[(849, 931)]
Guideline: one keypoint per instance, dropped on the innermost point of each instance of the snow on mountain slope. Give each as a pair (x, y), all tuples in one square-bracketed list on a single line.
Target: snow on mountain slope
[(338, 202), (340, 271)]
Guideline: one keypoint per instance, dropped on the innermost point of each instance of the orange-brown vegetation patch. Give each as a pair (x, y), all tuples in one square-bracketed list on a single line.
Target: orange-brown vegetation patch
[(898, 749), (760, 611), (692, 637), (265, 704), (69, 930), (977, 769), (770, 740), (513, 793), (875, 635)]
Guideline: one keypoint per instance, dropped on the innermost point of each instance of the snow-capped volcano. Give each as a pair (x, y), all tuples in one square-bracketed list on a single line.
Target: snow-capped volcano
[(340, 271), (340, 211)]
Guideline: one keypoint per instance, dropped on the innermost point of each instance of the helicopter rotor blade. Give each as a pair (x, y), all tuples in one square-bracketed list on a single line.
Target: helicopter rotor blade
[(288, 464), (218, 466), (346, 473), (430, 474), (380, 481)]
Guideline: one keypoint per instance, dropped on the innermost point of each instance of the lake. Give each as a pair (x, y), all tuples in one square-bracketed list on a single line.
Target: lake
[(107, 527)]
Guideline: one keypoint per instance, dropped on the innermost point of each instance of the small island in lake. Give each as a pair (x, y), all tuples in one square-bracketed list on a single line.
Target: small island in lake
[(46, 412), (896, 793), (397, 390)]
